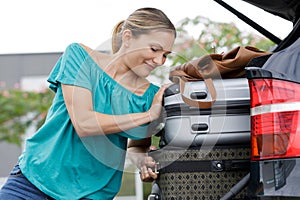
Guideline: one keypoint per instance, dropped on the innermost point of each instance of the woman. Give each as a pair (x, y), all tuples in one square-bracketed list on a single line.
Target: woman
[(100, 101)]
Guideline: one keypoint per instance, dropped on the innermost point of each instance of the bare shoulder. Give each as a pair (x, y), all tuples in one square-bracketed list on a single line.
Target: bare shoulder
[(92, 51), (99, 57), (86, 48)]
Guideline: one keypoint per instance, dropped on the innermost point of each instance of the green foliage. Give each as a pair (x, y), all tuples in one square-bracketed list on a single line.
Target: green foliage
[(21, 109), (200, 36)]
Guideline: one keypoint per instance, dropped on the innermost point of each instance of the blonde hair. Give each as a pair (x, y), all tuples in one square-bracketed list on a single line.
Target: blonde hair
[(141, 21)]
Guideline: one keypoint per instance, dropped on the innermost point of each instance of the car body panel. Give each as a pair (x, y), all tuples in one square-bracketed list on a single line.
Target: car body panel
[(275, 178)]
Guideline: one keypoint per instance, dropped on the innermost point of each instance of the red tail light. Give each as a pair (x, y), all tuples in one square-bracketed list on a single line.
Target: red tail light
[(275, 119)]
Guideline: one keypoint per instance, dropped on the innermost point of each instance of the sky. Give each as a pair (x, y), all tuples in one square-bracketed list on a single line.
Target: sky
[(35, 26)]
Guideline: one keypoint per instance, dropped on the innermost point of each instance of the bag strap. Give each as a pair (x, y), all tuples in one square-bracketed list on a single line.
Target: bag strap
[(197, 103)]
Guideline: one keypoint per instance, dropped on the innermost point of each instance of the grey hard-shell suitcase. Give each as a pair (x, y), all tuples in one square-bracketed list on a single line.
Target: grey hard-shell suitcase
[(226, 122)]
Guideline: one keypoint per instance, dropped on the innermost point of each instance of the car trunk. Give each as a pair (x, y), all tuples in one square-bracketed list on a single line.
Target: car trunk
[(286, 9)]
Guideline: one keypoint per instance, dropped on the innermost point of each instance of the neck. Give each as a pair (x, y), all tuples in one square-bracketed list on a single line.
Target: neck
[(117, 69)]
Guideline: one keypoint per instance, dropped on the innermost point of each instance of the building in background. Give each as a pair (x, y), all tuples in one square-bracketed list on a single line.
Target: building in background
[(28, 72)]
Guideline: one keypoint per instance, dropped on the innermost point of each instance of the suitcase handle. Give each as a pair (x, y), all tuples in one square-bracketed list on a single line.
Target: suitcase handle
[(197, 103), (200, 127), (198, 95)]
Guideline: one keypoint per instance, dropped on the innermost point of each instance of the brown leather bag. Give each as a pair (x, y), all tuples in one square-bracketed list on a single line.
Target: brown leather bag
[(213, 66)]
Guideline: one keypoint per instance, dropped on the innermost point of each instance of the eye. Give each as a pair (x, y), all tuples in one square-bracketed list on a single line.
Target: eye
[(153, 49)]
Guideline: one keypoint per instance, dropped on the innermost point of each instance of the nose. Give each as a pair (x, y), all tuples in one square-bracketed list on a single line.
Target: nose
[(159, 59)]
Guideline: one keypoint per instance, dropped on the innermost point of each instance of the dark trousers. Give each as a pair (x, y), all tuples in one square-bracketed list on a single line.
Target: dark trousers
[(18, 187)]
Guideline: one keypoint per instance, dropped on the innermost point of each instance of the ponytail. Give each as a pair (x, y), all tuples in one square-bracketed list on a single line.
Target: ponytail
[(116, 37)]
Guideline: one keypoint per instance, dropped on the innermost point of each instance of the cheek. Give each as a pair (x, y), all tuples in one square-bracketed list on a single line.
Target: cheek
[(142, 55), (141, 70), (138, 57), (133, 58)]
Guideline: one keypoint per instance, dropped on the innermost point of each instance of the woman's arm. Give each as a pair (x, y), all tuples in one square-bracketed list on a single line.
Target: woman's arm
[(87, 122)]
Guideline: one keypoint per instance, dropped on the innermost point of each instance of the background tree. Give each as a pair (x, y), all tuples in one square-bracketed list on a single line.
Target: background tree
[(20, 110)]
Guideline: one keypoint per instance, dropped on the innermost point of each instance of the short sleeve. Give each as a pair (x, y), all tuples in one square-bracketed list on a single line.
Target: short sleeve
[(72, 68)]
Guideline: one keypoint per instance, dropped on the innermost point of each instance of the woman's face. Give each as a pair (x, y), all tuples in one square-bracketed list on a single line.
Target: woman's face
[(148, 51)]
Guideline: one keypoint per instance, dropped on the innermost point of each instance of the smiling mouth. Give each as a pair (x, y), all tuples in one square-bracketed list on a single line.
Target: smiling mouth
[(150, 66)]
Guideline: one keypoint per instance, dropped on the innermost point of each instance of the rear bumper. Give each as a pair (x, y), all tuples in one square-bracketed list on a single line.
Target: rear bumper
[(275, 178)]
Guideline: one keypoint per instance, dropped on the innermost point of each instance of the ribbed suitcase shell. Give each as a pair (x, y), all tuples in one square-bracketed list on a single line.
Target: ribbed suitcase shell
[(226, 122)]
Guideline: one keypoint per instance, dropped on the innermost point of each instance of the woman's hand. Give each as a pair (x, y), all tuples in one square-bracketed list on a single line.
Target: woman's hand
[(156, 107), (148, 170)]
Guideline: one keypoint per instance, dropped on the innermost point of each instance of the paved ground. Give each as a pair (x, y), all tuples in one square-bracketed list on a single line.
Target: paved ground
[(125, 198), (2, 181)]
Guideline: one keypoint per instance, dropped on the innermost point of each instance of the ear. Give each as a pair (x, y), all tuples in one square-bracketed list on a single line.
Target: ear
[(126, 37)]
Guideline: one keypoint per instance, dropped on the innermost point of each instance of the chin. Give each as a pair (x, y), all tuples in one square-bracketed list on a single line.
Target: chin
[(143, 73)]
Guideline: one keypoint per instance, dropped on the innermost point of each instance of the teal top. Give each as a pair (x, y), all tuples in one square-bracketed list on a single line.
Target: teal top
[(63, 165)]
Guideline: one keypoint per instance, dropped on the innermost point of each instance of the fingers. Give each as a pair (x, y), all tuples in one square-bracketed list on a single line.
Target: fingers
[(156, 107), (160, 92), (147, 174), (162, 89), (167, 85), (148, 161), (152, 148)]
